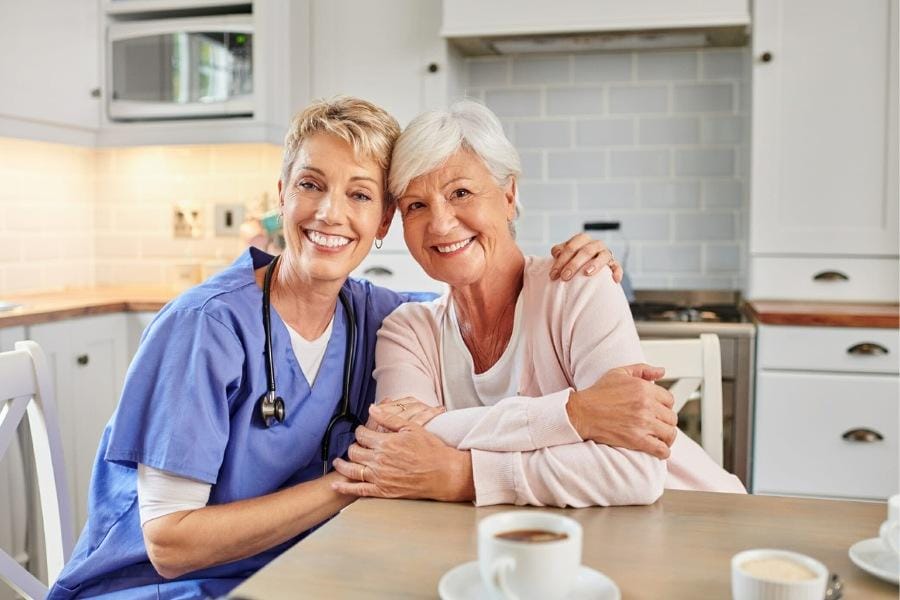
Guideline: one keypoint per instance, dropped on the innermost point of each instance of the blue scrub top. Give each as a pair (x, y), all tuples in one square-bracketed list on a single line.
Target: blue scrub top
[(189, 407)]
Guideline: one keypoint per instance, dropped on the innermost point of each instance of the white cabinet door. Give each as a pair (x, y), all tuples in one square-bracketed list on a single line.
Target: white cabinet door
[(826, 435), (49, 66), (89, 358), (379, 51), (824, 152)]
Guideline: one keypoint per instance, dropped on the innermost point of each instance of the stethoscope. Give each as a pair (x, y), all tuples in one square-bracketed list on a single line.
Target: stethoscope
[(271, 405)]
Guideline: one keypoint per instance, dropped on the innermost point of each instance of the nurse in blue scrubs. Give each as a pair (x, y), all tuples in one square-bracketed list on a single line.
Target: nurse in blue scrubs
[(193, 490)]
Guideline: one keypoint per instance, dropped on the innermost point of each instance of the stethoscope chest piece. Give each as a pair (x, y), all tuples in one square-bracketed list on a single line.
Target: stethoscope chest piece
[(271, 407)]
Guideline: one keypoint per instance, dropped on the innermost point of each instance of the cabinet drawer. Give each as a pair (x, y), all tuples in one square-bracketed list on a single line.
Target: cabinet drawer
[(833, 279), (398, 272), (851, 349), (805, 427)]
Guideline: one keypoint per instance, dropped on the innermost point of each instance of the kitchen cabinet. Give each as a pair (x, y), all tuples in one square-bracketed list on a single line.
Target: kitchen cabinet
[(827, 412), (389, 52), (88, 357), (49, 69), (469, 18), (824, 180)]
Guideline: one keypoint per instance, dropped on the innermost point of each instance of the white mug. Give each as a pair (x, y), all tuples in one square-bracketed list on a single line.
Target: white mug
[(890, 529), (520, 570)]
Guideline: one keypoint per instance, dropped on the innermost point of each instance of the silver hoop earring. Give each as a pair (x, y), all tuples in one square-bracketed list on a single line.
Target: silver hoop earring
[(379, 243)]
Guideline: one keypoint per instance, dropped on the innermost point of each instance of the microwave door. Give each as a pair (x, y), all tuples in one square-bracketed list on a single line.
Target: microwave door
[(190, 69)]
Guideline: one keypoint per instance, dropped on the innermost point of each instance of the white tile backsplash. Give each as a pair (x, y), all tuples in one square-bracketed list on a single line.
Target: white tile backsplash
[(656, 140)]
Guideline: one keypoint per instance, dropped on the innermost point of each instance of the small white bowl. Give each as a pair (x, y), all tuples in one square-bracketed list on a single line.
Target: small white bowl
[(745, 586)]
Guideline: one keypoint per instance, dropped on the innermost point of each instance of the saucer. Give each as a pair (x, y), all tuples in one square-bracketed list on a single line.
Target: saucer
[(463, 582), (871, 556)]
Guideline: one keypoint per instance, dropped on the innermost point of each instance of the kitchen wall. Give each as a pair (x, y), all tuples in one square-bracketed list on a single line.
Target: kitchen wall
[(77, 217), (46, 215), (137, 188), (656, 140)]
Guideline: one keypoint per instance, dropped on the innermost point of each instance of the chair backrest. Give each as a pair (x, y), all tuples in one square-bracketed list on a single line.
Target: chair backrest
[(694, 364), (26, 390)]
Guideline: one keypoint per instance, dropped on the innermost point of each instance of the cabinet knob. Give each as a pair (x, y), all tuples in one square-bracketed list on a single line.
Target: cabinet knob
[(379, 271), (862, 435), (95, 93), (867, 349), (765, 57), (433, 67), (83, 359), (830, 276)]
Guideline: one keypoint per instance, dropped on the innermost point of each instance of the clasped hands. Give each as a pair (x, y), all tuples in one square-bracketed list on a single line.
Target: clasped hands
[(394, 456)]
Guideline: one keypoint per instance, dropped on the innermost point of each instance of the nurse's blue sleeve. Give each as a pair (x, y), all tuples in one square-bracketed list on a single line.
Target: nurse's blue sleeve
[(174, 410), (418, 296)]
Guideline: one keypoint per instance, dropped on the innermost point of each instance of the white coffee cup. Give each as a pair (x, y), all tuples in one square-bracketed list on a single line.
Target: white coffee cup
[(754, 586), (890, 529), (523, 570)]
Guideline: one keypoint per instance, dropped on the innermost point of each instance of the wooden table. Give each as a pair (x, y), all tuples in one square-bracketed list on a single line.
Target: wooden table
[(680, 547)]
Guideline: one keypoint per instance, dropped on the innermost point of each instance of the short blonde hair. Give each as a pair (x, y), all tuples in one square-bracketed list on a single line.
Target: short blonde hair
[(367, 127)]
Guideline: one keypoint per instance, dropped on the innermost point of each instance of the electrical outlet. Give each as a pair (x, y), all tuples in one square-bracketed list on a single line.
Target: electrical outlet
[(228, 219), (187, 221)]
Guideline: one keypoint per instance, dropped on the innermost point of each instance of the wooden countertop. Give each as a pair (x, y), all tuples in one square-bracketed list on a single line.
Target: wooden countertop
[(828, 314), (679, 547), (65, 304)]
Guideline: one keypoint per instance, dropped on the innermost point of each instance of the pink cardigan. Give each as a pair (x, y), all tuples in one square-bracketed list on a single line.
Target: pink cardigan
[(524, 449)]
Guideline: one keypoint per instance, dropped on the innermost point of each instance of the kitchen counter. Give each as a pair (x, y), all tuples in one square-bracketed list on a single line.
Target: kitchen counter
[(44, 307), (827, 314)]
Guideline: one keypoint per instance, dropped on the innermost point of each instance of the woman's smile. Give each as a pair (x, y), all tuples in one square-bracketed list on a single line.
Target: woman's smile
[(327, 242), (453, 248)]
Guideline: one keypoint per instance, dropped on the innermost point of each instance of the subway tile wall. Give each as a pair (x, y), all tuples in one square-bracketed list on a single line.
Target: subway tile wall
[(74, 217), (46, 215), (133, 215), (656, 140)]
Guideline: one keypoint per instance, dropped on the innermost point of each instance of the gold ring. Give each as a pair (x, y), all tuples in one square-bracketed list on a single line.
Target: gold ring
[(402, 407), (362, 475)]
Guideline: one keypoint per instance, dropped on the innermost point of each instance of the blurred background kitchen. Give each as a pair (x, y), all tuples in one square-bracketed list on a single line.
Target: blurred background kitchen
[(740, 157)]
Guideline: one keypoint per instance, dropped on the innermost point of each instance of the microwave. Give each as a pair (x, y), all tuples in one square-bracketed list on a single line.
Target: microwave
[(187, 68)]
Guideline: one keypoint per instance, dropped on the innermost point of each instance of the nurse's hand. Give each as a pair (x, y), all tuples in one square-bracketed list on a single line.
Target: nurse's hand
[(405, 462), (582, 252)]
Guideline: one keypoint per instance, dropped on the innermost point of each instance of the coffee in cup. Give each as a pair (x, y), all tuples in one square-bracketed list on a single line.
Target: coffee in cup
[(529, 554)]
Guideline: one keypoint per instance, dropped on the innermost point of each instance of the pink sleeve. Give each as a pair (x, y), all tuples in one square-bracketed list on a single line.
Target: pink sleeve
[(584, 474), (407, 367)]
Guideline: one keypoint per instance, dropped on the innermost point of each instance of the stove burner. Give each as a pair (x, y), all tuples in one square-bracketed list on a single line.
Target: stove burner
[(703, 313)]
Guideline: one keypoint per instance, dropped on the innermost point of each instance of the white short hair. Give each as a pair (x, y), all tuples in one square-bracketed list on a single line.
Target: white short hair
[(434, 136)]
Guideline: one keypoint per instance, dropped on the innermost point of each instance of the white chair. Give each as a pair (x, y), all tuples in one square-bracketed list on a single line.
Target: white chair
[(694, 364), (26, 389)]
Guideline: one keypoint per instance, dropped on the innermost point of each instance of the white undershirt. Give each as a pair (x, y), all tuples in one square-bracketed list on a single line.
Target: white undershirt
[(469, 389), (161, 493)]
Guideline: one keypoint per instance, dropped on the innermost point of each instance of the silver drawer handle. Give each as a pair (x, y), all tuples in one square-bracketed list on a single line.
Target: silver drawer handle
[(862, 435), (378, 271), (830, 276), (868, 349)]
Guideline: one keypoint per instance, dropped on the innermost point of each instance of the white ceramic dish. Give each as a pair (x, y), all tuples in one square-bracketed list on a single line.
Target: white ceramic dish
[(872, 557), (464, 583), (746, 586)]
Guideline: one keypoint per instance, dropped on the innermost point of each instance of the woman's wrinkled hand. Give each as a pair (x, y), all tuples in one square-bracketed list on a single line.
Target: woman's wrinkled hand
[(582, 252), (406, 461), (409, 409), (625, 408)]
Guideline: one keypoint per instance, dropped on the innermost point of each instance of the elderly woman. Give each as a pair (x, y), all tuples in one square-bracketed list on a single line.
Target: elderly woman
[(204, 473), (546, 401)]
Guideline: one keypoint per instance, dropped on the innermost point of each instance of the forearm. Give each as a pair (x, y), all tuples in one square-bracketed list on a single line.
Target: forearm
[(191, 540), (517, 423), (584, 474)]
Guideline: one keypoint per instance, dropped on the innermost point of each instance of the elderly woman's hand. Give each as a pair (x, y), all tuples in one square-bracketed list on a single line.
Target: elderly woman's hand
[(405, 462), (582, 252), (409, 409), (626, 409)]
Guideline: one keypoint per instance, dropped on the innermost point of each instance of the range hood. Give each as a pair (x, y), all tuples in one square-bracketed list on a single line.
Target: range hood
[(540, 26)]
